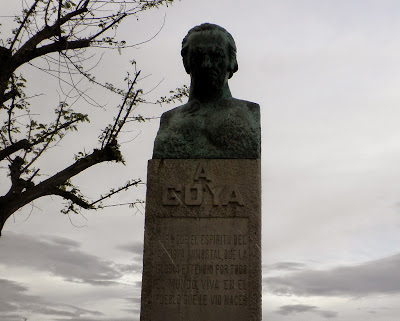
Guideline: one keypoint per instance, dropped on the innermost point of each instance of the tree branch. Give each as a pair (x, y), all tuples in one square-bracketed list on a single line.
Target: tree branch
[(24, 54), (15, 169), (109, 153), (31, 10), (59, 20), (134, 183), (25, 144), (17, 198), (22, 144), (51, 134), (63, 44), (56, 130), (17, 183), (112, 135), (108, 27), (72, 197), (11, 94)]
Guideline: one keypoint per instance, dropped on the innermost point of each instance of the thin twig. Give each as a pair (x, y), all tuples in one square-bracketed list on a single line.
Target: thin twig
[(31, 10), (112, 136), (117, 191)]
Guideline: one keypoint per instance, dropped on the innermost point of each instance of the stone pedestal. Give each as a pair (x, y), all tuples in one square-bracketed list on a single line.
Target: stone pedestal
[(202, 250)]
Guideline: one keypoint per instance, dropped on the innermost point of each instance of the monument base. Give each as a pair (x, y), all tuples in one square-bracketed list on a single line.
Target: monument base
[(202, 250)]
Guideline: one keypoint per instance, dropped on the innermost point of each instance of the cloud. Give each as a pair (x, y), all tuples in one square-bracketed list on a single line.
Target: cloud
[(135, 267), (135, 248), (301, 308), (133, 311), (10, 293), (133, 304), (327, 314), (373, 277), (137, 264), (63, 241), (16, 303), (60, 257), (97, 319), (285, 266), (295, 308), (135, 300)]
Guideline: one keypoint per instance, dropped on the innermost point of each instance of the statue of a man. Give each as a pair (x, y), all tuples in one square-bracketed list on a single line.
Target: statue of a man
[(212, 124)]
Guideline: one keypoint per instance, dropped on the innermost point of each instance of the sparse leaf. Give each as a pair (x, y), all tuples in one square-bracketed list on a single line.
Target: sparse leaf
[(61, 39)]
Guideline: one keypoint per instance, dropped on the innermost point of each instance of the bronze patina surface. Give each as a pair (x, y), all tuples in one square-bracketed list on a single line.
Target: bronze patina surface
[(212, 124)]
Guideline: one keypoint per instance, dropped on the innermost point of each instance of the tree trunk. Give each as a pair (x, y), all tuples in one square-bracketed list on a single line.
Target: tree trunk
[(9, 204)]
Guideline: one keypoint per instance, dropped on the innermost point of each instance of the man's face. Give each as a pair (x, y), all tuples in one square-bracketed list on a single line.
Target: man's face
[(208, 59)]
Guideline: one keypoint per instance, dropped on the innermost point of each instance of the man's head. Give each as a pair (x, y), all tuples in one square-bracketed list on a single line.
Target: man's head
[(209, 53)]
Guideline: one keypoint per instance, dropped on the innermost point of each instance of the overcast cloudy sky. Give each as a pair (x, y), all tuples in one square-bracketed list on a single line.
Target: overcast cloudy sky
[(327, 77)]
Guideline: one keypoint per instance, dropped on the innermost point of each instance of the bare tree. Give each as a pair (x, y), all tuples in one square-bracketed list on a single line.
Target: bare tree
[(59, 33)]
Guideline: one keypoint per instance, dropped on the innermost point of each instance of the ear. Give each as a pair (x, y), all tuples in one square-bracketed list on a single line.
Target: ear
[(234, 67), (185, 60), (186, 65)]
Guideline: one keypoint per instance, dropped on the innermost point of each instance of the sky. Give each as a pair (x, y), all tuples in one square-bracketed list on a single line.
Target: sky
[(326, 75)]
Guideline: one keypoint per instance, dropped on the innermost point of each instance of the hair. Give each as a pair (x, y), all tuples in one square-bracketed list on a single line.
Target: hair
[(213, 28)]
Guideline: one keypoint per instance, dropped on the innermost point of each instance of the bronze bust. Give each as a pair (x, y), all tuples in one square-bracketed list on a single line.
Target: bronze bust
[(212, 124)]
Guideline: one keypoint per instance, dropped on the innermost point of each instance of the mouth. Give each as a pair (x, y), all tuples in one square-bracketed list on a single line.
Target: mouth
[(209, 74)]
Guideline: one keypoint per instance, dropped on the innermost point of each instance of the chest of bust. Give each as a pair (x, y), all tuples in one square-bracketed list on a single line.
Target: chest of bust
[(227, 129), (214, 131)]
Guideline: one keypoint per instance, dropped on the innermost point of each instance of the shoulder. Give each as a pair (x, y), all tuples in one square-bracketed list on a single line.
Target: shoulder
[(187, 110), (249, 104), (170, 114), (250, 108), (177, 110)]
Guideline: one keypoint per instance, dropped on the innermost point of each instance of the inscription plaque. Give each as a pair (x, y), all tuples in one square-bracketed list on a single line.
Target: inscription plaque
[(200, 263), (202, 255)]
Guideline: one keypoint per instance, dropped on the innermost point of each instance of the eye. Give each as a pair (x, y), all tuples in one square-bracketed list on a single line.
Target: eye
[(197, 55), (218, 55)]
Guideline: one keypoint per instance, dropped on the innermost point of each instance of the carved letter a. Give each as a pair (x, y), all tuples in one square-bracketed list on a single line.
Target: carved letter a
[(203, 172)]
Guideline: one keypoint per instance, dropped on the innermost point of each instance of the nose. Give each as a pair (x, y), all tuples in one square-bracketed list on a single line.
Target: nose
[(206, 61)]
